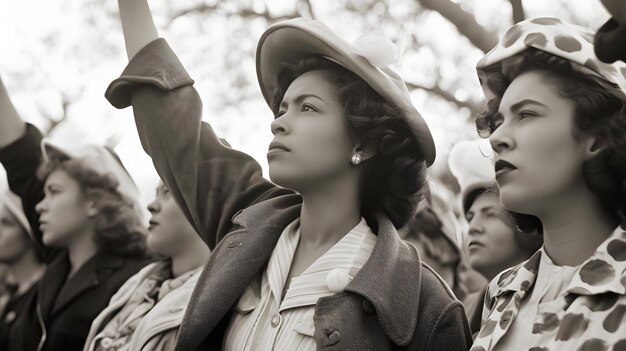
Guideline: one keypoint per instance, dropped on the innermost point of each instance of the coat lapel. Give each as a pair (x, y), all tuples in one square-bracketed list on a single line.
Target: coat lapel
[(392, 264), (52, 282), (86, 278), (234, 264)]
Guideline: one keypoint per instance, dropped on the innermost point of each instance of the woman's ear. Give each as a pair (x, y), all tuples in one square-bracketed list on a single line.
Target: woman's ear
[(364, 150), (593, 147)]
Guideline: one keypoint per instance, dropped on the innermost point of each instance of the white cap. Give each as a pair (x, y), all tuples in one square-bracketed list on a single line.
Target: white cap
[(100, 159)]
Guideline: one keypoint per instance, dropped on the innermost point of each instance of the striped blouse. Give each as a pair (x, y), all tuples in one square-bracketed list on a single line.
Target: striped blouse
[(264, 321)]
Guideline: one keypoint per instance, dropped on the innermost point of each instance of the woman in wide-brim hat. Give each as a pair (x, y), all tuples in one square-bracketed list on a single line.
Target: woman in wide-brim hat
[(315, 261), (557, 123)]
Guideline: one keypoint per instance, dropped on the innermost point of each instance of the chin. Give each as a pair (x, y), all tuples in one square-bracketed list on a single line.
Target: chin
[(284, 178), (516, 199), (49, 239)]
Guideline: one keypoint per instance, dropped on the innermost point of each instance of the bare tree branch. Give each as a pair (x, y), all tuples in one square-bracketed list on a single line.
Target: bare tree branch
[(518, 10), (242, 12), (466, 24), (66, 101), (473, 106)]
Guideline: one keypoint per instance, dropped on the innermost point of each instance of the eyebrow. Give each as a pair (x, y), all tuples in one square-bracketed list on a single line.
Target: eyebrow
[(518, 105), (481, 210), (300, 98)]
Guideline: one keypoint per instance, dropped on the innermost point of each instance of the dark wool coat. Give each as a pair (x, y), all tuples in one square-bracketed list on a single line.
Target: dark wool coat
[(394, 302), (59, 314)]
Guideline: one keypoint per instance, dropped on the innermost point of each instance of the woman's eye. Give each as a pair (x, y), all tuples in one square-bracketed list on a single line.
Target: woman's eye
[(53, 191), (491, 214), (308, 108), (525, 114)]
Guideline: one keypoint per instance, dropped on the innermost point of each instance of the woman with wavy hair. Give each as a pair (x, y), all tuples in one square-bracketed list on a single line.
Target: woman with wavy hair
[(315, 260), (81, 205), (557, 123)]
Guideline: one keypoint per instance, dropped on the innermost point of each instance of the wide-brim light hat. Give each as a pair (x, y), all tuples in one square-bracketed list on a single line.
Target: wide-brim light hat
[(287, 41), (557, 37), (470, 163), (100, 159), (14, 204)]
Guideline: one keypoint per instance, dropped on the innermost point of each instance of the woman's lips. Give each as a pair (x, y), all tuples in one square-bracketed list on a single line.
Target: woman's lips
[(152, 224), (277, 148), (502, 167)]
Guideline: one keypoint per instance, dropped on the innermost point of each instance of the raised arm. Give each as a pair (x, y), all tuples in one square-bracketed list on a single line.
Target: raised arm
[(137, 25), (20, 155), (210, 181), (12, 125)]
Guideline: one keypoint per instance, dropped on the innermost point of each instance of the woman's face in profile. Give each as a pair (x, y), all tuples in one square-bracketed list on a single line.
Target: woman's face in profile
[(169, 232), (64, 211), (312, 142), (539, 160)]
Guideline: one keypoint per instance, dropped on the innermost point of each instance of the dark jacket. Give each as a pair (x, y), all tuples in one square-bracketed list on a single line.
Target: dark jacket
[(610, 42), (63, 309), (394, 302)]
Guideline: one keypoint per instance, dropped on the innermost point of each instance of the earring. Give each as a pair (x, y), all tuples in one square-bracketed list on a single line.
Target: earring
[(356, 159)]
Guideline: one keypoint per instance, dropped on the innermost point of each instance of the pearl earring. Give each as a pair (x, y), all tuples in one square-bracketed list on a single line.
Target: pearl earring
[(356, 159)]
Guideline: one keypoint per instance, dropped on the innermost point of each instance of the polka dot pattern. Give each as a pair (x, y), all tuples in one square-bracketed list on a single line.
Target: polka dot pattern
[(572, 326), (620, 345), (556, 37), (603, 302), (550, 321), (511, 36), (590, 316), (596, 272), (614, 319), (617, 250), (505, 319), (567, 43), (546, 21), (593, 345), (537, 40)]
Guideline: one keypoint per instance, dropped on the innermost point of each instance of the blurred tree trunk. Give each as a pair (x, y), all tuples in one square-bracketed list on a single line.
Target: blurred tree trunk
[(464, 22), (517, 10)]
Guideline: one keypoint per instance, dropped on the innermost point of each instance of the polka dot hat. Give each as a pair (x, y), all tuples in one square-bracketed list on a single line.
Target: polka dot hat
[(552, 35)]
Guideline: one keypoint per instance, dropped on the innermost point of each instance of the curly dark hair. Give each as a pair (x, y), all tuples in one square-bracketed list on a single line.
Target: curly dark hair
[(600, 111), (395, 177), (118, 226)]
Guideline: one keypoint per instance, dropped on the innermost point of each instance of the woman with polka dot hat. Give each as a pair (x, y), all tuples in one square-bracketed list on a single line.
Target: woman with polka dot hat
[(556, 120), (315, 261)]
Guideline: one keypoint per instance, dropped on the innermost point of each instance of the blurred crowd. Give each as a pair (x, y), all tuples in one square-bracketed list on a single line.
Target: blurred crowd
[(350, 245)]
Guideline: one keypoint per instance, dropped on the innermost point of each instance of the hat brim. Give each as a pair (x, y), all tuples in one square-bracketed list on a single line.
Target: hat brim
[(472, 191), (49, 150), (290, 40)]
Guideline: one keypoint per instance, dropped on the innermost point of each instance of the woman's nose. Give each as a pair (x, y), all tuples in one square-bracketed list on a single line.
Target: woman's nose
[(501, 139), (153, 206), (279, 125), (40, 207)]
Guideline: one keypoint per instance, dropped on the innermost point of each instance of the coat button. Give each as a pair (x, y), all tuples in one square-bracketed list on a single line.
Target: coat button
[(368, 307), (276, 320), (106, 342)]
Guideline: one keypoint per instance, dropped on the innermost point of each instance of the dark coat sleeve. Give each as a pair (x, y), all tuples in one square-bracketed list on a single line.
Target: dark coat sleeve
[(610, 41), (21, 159), (451, 331), (210, 181)]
